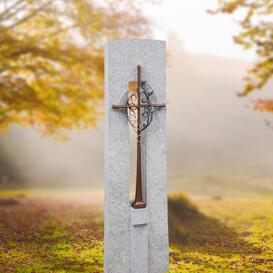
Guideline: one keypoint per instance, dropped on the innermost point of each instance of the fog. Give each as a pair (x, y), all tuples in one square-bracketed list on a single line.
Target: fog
[(209, 127)]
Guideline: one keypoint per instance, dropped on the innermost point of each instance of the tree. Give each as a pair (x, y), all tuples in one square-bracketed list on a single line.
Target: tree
[(51, 59), (257, 34)]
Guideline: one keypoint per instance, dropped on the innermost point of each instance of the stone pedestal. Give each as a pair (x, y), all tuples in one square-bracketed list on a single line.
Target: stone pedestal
[(135, 241)]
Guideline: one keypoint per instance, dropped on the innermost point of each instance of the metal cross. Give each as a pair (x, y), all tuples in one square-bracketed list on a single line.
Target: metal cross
[(140, 114)]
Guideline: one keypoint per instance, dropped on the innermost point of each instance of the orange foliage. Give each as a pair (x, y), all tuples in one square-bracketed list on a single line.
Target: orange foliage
[(256, 34), (51, 65)]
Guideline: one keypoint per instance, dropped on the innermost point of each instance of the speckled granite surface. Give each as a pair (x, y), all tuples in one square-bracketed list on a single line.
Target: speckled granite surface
[(121, 59)]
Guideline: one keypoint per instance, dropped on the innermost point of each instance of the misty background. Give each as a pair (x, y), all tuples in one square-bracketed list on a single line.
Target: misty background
[(215, 141)]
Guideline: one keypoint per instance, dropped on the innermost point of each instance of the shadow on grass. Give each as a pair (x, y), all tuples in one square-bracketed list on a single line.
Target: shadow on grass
[(193, 231), (8, 202)]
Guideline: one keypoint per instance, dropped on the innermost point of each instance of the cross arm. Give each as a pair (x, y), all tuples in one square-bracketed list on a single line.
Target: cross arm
[(156, 105)]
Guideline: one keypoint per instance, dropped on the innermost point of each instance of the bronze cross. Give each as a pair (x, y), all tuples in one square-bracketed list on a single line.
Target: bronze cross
[(142, 108)]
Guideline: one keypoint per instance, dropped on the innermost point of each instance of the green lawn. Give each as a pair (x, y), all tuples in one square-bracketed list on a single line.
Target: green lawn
[(229, 235), (63, 232)]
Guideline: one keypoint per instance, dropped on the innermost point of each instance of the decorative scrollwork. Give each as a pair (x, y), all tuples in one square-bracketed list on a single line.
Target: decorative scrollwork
[(146, 110)]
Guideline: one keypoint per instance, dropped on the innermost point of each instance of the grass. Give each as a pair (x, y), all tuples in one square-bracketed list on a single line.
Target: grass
[(229, 235), (64, 233)]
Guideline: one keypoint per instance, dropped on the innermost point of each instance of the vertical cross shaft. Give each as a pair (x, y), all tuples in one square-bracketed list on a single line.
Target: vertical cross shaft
[(138, 202)]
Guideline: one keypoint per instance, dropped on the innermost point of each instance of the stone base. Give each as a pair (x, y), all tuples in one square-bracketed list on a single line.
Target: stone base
[(139, 240)]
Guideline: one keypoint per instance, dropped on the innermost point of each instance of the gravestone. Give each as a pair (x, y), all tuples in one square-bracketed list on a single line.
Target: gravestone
[(135, 232)]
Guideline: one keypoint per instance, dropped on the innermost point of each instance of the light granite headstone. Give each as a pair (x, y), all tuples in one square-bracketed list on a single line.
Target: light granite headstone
[(135, 240)]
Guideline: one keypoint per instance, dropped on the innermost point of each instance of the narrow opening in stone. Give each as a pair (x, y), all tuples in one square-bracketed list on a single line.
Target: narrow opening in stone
[(132, 152), (137, 174), (132, 87)]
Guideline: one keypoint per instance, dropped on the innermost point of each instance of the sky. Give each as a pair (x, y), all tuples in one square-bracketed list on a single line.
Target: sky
[(199, 31)]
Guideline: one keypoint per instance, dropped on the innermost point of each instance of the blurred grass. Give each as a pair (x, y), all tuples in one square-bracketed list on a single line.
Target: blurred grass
[(228, 181), (221, 235), (69, 192), (47, 231)]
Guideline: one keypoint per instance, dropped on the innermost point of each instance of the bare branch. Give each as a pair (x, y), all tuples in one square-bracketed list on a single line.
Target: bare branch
[(10, 8), (30, 15), (14, 13)]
